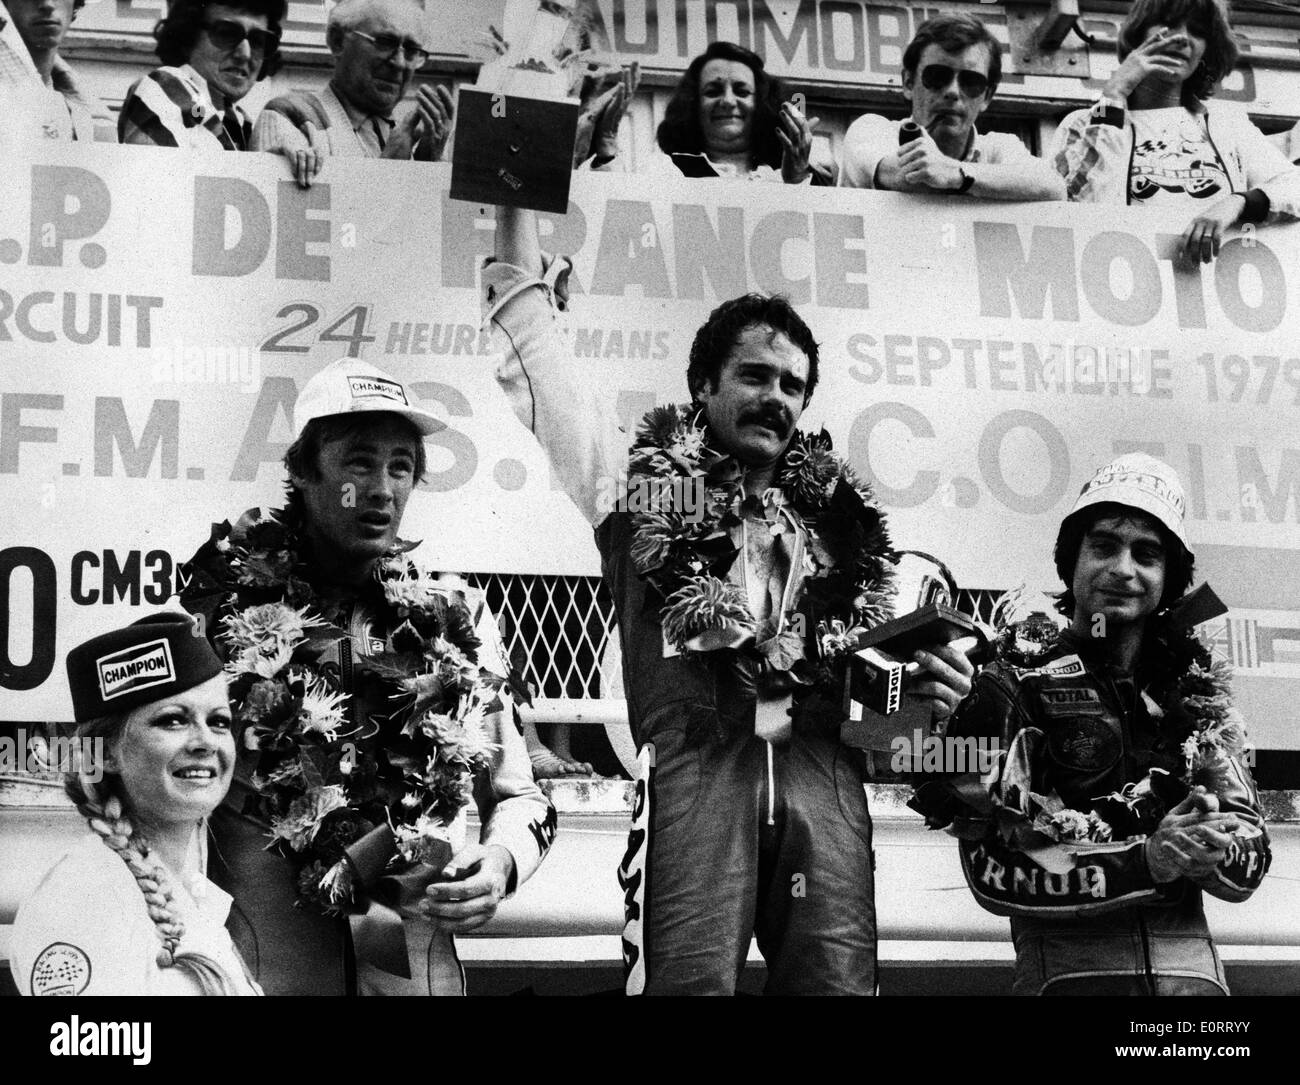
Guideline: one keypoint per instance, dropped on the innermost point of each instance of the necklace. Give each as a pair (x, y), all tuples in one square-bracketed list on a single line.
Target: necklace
[(347, 741), (683, 547)]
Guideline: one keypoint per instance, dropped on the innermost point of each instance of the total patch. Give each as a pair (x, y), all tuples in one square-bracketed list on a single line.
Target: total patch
[(60, 969), (1070, 701), (1086, 745)]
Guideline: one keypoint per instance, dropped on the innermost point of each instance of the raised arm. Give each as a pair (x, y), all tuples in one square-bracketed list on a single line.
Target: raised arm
[(552, 393)]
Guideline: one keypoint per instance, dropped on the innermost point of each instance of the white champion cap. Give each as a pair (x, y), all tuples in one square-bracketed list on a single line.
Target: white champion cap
[(349, 386), (1140, 482)]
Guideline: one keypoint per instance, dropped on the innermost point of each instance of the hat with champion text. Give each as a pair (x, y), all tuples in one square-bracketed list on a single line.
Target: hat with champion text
[(148, 660), (349, 386), (1141, 482)]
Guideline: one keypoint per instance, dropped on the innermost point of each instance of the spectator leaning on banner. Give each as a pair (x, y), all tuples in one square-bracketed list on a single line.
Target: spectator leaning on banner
[(951, 70), (729, 118), (1121, 790), (1153, 138), (378, 46), (213, 54), (41, 93)]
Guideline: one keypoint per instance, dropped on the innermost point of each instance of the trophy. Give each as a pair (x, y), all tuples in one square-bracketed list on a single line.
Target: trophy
[(877, 709), (516, 127)]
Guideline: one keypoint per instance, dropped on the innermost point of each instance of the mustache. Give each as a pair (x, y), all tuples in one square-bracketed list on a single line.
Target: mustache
[(774, 417)]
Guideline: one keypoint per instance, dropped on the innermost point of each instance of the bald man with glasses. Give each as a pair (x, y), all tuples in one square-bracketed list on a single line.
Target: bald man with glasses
[(951, 71), (378, 46)]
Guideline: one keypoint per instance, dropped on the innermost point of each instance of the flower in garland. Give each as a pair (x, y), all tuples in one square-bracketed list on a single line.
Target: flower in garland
[(656, 533), (687, 444), (306, 813), (1220, 734), (459, 740), (407, 585), (810, 469), (450, 788), (262, 639), (419, 842), (323, 710), (703, 603), (837, 640)]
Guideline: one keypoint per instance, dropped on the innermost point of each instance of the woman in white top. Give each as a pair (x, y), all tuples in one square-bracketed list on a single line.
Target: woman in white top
[(129, 910), (1154, 137), (727, 118)]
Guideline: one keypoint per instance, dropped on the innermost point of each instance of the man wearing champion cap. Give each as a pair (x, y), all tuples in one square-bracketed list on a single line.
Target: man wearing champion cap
[(1124, 792), (357, 455)]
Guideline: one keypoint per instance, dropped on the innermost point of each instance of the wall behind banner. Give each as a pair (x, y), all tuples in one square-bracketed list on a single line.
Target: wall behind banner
[(856, 45), (979, 362)]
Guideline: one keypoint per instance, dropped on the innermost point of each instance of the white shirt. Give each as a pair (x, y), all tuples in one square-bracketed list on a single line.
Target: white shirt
[(85, 930), (872, 137)]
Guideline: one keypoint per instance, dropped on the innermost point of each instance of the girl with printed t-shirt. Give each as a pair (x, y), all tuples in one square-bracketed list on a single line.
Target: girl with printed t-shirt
[(129, 911), (1152, 138)]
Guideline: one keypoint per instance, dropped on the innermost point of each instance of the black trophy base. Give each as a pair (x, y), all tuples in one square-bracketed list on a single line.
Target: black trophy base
[(513, 152), (881, 734)]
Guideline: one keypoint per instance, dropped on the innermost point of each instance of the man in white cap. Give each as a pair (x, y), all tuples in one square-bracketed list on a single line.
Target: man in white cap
[(334, 549), (1124, 791)]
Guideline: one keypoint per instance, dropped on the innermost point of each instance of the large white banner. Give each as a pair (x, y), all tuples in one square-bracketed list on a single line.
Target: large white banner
[(158, 313)]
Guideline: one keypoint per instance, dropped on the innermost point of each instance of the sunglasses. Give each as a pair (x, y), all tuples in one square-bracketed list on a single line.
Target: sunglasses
[(387, 45), (939, 77), (226, 34)]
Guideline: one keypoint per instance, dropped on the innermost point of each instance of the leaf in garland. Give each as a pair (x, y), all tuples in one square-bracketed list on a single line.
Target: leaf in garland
[(402, 546), (311, 773), (782, 651), (266, 704), (405, 638), (392, 665), (460, 631)]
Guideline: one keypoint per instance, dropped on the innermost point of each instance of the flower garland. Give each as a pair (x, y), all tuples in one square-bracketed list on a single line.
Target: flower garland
[(685, 548), (401, 748), (1201, 733)]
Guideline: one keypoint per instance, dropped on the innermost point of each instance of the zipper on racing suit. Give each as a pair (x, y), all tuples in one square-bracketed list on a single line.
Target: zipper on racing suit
[(1126, 714), (783, 604)]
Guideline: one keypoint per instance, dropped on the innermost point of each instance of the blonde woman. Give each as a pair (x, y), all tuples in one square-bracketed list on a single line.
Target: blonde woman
[(129, 910)]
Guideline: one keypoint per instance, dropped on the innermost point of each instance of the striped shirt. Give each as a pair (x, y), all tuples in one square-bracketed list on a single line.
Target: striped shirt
[(172, 107)]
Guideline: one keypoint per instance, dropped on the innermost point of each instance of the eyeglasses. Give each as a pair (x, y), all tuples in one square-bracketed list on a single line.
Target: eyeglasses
[(226, 34), (387, 45), (939, 77)]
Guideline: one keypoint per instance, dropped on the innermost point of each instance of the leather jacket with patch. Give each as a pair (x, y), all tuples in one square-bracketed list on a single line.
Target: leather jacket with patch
[(1083, 733)]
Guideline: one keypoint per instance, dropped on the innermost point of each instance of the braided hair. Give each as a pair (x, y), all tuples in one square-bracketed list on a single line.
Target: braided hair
[(104, 805)]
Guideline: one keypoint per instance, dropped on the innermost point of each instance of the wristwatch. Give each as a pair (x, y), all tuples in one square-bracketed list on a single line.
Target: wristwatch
[(966, 181)]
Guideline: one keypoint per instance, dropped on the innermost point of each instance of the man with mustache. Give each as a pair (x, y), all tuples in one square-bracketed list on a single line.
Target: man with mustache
[(750, 817), (1124, 793), (43, 94), (212, 54), (951, 70)]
